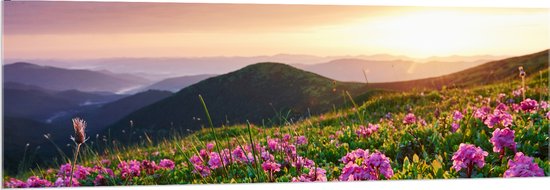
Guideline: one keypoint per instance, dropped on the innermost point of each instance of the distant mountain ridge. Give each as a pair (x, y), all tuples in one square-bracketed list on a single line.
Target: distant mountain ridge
[(68, 79), (176, 83)]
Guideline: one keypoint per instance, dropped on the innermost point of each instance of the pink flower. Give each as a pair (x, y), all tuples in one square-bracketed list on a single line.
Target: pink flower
[(503, 138), (166, 164), (467, 156), (457, 115), (215, 160), (409, 119), (548, 115), (64, 182), (516, 108), (314, 174), (272, 144), (202, 170), (100, 180), (129, 169), (34, 181), (80, 172), (210, 146), (455, 126), (270, 166), (481, 113), (370, 167), (195, 160), (15, 183), (544, 105), (301, 140), (149, 166), (498, 118), (523, 166), (529, 105), (366, 132), (286, 137)]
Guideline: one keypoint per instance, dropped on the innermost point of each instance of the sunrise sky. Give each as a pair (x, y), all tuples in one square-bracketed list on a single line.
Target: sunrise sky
[(88, 30)]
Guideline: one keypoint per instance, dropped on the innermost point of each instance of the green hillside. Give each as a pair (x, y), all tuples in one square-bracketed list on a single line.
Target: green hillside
[(259, 93), (488, 73)]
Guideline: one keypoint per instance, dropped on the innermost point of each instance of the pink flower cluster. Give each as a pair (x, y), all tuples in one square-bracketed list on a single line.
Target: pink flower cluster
[(409, 119), (499, 117), (129, 169), (467, 156), (522, 166), (32, 181), (367, 131), (360, 165), (503, 138), (529, 106)]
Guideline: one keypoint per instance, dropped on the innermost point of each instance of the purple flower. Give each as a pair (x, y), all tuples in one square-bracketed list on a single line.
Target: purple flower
[(455, 126), (523, 166), (529, 105), (467, 156), (80, 172), (100, 180), (286, 137), (34, 181), (166, 164), (149, 166), (129, 169), (270, 166), (498, 118), (360, 165), (543, 105), (15, 183), (195, 160), (210, 146), (503, 138), (409, 119), (314, 174), (502, 107), (457, 115), (64, 182), (215, 160), (272, 144), (516, 107), (202, 170), (481, 113), (301, 140)]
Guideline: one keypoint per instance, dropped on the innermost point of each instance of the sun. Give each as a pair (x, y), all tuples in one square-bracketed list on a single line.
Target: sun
[(421, 34)]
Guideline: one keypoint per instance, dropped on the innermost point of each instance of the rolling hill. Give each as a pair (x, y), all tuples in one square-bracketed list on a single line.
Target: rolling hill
[(68, 79), (394, 70), (27, 101), (488, 73), (111, 112), (256, 93)]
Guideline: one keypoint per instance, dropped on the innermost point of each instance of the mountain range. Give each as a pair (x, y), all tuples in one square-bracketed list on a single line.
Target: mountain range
[(55, 78)]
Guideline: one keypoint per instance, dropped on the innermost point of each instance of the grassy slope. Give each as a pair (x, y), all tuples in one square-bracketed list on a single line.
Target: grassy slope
[(416, 152), (491, 72)]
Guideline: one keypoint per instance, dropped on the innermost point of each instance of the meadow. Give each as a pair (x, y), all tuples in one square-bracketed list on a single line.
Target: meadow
[(494, 130)]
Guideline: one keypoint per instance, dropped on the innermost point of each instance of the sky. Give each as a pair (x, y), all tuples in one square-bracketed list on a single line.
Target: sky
[(90, 30)]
